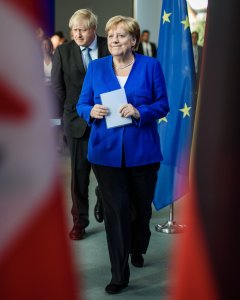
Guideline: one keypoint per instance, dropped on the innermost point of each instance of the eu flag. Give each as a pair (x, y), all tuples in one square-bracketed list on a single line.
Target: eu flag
[(176, 57)]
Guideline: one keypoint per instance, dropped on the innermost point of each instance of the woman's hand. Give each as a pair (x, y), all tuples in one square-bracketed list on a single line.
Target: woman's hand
[(128, 110), (99, 111)]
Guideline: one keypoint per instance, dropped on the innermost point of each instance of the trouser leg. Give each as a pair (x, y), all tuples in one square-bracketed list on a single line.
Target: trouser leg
[(142, 182), (80, 172), (114, 188)]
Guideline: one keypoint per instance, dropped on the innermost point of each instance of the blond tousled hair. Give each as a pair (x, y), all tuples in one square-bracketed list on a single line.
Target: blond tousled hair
[(86, 15), (130, 24)]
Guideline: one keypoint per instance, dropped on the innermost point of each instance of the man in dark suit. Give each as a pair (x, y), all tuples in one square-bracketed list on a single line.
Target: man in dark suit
[(70, 63), (197, 54), (145, 46)]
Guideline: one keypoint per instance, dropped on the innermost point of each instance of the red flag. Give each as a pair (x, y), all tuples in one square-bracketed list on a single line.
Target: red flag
[(35, 257), (208, 259)]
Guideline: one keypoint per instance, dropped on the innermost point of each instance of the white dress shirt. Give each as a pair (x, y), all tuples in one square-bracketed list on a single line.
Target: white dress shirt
[(147, 49), (195, 54), (94, 50)]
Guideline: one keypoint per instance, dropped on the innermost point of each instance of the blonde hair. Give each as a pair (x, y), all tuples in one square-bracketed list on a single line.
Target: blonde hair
[(86, 15), (130, 24)]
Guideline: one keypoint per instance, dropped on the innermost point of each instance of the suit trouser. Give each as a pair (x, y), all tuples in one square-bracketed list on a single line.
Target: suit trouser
[(80, 172), (127, 197)]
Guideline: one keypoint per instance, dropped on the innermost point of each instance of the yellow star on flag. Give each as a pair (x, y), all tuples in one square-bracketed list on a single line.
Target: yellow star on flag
[(163, 120), (186, 23), (185, 110), (166, 16)]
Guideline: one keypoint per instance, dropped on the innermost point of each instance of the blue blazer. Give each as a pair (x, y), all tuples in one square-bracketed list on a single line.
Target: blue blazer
[(145, 89)]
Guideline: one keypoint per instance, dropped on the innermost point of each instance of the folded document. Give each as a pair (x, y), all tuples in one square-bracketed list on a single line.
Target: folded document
[(113, 101)]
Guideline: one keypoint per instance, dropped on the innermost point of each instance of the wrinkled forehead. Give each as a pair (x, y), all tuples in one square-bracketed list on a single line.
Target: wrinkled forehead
[(119, 28)]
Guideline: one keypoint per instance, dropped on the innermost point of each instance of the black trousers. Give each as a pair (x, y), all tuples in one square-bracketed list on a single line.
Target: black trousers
[(80, 172), (127, 197)]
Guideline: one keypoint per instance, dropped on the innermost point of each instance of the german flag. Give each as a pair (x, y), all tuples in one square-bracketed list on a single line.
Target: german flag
[(208, 261)]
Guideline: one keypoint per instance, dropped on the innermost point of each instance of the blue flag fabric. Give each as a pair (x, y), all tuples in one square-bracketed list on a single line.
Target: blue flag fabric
[(176, 57)]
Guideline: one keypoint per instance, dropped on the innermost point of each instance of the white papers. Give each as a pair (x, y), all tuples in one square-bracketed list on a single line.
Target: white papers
[(113, 101)]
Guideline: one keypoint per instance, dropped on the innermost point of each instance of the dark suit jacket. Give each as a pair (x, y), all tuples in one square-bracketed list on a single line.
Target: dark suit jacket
[(199, 62), (197, 79), (68, 73), (153, 47)]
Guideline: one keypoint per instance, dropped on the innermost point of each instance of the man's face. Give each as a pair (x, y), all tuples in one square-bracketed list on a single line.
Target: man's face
[(145, 37), (82, 35), (194, 38), (56, 41)]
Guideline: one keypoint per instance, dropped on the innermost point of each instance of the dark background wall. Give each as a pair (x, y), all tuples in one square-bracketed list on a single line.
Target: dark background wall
[(104, 9)]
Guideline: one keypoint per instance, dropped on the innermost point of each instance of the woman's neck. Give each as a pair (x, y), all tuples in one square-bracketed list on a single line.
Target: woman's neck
[(121, 62)]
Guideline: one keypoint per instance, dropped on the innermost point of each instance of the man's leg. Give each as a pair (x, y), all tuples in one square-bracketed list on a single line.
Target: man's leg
[(80, 172)]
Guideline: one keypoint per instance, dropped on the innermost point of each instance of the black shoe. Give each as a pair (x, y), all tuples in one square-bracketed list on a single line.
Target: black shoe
[(98, 209), (113, 288), (77, 233), (137, 260)]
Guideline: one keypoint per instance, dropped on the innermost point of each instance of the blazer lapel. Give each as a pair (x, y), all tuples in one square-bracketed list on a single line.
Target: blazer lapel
[(78, 57)]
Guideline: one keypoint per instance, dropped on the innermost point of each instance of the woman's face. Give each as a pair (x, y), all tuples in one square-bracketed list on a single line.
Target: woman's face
[(120, 42), (47, 46)]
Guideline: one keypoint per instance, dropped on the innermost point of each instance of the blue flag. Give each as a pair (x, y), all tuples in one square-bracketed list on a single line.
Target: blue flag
[(176, 57)]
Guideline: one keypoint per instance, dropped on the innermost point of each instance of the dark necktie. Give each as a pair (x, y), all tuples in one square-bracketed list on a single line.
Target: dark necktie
[(87, 56), (147, 52)]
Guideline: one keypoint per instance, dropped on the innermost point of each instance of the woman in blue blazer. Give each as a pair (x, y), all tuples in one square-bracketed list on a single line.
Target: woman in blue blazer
[(125, 159)]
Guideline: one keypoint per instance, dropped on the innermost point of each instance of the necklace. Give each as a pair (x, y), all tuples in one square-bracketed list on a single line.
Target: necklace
[(123, 67)]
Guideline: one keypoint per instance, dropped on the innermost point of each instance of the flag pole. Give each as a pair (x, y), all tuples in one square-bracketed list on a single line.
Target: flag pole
[(170, 226)]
